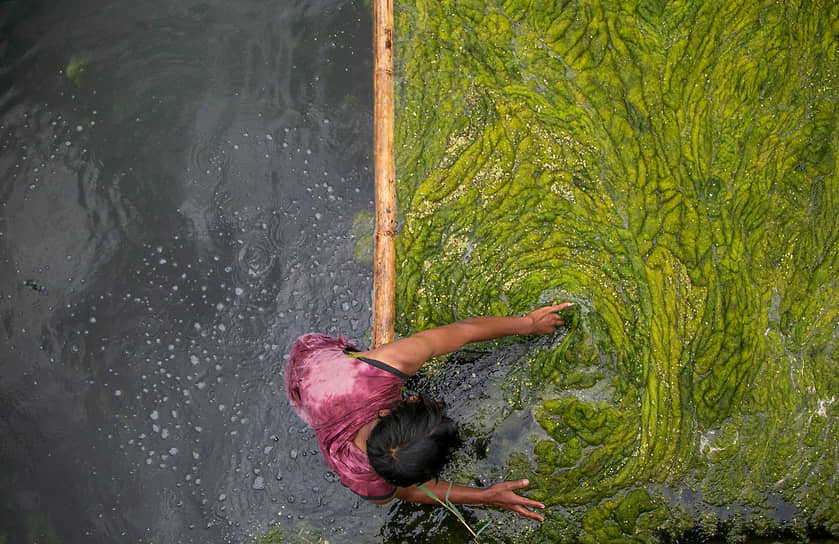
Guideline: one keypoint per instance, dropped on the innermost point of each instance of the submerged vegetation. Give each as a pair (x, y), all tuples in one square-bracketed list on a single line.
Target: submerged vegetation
[(76, 68), (297, 535), (670, 167)]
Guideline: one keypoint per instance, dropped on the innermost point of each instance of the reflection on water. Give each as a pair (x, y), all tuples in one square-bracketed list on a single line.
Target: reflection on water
[(178, 182)]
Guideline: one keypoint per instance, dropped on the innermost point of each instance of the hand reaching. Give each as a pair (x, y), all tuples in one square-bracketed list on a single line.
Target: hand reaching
[(502, 496), (545, 320)]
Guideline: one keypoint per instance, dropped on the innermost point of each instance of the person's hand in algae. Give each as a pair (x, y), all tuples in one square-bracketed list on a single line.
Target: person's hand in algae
[(380, 445)]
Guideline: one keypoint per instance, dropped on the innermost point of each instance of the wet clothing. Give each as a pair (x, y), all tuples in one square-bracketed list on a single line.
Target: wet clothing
[(337, 394)]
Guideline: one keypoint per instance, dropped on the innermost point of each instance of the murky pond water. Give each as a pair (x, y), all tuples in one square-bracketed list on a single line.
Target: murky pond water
[(179, 184)]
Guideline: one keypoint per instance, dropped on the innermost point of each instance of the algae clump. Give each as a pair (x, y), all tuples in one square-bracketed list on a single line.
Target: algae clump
[(361, 232), (671, 167), (76, 68)]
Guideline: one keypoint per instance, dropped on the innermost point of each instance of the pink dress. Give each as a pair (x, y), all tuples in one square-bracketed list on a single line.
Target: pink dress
[(336, 394)]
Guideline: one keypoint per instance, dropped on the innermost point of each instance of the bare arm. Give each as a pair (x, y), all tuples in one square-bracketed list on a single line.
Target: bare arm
[(409, 354), (501, 495)]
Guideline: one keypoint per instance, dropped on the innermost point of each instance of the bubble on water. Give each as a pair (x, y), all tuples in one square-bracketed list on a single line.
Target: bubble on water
[(117, 393), (222, 327), (154, 415), (238, 291), (269, 137), (173, 451), (164, 433), (222, 497), (195, 455), (293, 454), (258, 483)]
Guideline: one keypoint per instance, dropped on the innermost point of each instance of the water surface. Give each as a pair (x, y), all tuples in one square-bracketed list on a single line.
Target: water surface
[(179, 182)]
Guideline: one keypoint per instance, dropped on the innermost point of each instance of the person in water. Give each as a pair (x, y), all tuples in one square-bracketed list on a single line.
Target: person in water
[(380, 445)]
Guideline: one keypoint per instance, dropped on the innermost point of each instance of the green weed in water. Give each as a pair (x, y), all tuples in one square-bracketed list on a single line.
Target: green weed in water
[(76, 68), (671, 167), (295, 535), (362, 231), (448, 505)]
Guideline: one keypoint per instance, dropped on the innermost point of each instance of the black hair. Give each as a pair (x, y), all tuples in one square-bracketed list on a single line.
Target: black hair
[(412, 443)]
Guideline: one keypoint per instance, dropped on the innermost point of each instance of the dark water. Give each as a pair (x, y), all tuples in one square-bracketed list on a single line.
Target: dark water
[(174, 214)]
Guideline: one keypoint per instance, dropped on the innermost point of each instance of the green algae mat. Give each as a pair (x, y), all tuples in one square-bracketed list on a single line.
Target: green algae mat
[(671, 167)]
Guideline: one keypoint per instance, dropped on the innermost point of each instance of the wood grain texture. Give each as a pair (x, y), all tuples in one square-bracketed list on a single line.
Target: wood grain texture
[(384, 251)]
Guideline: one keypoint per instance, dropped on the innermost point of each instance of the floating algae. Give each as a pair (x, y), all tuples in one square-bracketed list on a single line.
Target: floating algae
[(362, 231), (76, 68), (672, 168)]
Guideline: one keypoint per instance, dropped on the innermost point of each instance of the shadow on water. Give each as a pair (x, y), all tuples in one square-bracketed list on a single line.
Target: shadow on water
[(179, 182)]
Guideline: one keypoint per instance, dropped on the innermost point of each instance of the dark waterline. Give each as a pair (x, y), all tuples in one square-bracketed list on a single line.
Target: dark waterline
[(179, 182)]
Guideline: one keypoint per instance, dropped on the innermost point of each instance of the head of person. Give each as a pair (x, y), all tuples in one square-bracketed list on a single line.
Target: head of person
[(412, 442)]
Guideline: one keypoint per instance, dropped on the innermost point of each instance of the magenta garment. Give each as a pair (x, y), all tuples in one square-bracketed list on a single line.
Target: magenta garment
[(336, 394)]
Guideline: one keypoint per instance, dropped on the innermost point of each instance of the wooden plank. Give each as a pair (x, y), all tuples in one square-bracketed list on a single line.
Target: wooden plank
[(384, 275)]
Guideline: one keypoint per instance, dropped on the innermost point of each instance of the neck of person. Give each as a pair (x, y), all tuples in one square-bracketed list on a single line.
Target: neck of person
[(363, 434)]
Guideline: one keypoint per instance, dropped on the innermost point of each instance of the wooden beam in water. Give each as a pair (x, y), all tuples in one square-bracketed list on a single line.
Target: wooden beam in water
[(384, 275)]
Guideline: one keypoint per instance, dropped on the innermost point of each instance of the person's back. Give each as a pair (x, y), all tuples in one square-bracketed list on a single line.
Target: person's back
[(337, 394)]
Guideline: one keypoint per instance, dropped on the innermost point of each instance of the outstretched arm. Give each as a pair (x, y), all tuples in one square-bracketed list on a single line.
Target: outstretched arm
[(409, 354), (501, 495)]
